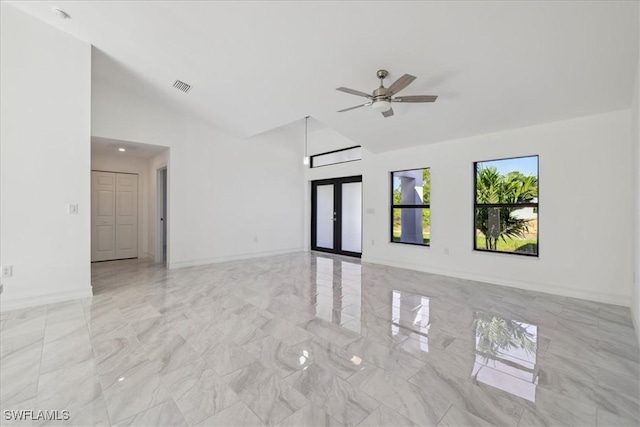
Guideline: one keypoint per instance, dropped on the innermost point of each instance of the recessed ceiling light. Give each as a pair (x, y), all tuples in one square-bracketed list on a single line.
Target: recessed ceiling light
[(61, 13), (121, 149)]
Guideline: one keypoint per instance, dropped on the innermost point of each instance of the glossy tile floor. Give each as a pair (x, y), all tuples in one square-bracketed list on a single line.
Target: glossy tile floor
[(308, 339)]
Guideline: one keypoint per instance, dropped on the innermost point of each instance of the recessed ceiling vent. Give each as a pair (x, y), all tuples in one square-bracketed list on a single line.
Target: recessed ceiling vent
[(182, 86)]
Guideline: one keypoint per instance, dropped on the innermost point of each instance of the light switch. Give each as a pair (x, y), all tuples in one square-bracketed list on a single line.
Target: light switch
[(371, 210)]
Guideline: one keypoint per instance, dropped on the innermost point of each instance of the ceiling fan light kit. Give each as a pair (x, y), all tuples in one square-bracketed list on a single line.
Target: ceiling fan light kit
[(381, 98), (381, 106)]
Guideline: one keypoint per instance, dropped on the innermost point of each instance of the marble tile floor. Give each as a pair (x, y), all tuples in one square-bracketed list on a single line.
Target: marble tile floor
[(314, 340)]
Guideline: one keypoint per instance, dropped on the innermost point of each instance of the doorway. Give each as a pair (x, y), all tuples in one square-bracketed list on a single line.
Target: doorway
[(336, 215), (161, 250)]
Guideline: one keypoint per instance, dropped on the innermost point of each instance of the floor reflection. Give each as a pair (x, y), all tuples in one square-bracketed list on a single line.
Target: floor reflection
[(308, 337), (505, 355), (337, 293), (410, 318), (503, 350)]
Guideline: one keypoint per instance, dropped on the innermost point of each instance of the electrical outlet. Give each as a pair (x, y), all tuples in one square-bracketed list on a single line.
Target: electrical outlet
[(73, 209), (7, 270)]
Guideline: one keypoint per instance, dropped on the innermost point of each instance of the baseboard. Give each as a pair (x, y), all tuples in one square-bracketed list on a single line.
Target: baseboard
[(622, 300), (217, 260), (15, 304)]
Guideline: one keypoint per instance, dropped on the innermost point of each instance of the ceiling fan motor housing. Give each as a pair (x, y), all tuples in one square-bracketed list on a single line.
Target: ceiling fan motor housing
[(381, 92)]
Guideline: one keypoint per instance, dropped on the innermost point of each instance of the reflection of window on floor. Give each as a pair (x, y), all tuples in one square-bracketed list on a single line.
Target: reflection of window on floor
[(338, 296), (410, 317), (505, 355)]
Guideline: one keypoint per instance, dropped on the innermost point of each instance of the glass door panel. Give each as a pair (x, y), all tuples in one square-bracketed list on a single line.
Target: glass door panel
[(351, 215), (325, 216)]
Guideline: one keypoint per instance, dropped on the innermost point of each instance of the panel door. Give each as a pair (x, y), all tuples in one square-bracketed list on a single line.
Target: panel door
[(103, 212), (126, 216)]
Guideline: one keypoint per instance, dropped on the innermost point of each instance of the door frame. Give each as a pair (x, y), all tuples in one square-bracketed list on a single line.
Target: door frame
[(337, 207), (162, 194)]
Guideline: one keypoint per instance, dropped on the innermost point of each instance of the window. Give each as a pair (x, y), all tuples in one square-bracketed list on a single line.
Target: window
[(506, 206), (410, 207), (339, 156)]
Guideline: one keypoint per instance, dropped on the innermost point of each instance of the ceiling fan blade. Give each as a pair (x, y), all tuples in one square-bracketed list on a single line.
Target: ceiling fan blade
[(415, 98), (353, 92), (401, 83), (388, 113), (353, 108)]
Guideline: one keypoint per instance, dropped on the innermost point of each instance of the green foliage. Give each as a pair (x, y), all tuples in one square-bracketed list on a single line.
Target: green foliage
[(492, 188), (529, 246), (426, 186)]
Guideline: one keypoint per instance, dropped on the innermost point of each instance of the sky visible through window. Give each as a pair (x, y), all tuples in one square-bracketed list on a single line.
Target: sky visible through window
[(525, 165)]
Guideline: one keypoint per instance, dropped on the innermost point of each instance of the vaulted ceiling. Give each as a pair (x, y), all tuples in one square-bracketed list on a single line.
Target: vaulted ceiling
[(256, 66)]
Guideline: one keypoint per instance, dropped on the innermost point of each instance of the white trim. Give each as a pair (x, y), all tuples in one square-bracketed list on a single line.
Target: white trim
[(622, 300), (159, 202), (217, 260), (15, 304)]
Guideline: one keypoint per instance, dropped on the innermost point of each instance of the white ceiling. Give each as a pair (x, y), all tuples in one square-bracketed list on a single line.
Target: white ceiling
[(255, 66), (109, 147)]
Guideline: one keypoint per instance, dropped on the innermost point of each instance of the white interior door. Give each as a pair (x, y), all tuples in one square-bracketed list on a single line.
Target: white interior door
[(103, 212), (114, 216), (126, 216)]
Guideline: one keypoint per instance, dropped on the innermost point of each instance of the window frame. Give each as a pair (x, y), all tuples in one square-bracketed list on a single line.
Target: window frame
[(476, 205), (311, 158), (414, 206)]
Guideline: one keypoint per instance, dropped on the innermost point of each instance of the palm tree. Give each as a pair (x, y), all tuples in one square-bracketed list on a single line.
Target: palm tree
[(493, 188)]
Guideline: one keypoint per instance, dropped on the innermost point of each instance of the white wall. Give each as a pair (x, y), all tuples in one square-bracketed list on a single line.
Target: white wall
[(45, 161), (139, 166), (228, 198), (583, 167), (586, 256)]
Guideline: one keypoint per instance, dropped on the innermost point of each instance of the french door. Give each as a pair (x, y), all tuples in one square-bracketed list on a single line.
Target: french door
[(336, 215)]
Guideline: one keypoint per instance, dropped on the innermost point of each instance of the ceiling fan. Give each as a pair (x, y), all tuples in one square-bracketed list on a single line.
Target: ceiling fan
[(381, 98)]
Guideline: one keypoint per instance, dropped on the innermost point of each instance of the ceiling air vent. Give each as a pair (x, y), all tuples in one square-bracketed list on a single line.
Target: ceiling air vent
[(182, 86)]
